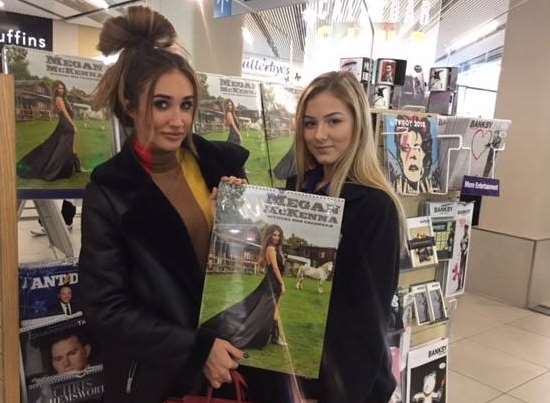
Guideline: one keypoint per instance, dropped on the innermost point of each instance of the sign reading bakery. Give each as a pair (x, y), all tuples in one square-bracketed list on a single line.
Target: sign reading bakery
[(25, 30)]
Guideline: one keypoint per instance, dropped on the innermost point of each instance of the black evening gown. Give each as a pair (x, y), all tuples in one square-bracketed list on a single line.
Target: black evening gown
[(234, 137), (54, 158), (248, 323)]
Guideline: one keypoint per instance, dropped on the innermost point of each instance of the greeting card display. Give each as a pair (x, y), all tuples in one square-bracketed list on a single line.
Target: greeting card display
[(269, 275)]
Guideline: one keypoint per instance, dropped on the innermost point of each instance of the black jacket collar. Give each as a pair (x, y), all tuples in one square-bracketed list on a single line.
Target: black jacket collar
[(350, 191), (214, 158)]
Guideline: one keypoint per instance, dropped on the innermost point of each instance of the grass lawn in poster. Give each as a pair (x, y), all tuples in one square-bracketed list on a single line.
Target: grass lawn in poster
[(48, 163), (242, 298)]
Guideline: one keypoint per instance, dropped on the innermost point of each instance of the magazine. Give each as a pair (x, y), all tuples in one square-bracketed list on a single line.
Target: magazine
[(269, 275), (412, 153), (421, 242), (60, 363), (456, 269), (421, 300), (443, 216), (48, 291), (46, 85), (437, 302), (427, 373)]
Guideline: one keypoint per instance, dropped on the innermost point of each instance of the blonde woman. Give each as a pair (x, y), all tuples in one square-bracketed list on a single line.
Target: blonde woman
[(336, 156)]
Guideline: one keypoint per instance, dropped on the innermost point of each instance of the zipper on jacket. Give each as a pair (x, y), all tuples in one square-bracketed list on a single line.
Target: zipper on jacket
[(131, 375)]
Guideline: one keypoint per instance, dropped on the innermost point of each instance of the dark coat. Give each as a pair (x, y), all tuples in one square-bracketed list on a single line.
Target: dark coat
[(356, 364), (140, 278)]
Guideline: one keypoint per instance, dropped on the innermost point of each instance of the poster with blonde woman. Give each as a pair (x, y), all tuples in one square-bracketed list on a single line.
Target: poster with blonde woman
[(230, 110), (269, 275), (60, 136)]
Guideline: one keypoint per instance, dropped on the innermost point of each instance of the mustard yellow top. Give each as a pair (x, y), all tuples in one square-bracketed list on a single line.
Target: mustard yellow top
[(195, 180)]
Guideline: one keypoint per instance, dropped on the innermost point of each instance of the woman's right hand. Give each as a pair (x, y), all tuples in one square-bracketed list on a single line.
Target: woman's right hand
[(222, 358), (283, 288)]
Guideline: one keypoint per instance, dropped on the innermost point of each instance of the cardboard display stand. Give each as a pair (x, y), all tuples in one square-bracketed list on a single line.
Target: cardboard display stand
[(8, 245)]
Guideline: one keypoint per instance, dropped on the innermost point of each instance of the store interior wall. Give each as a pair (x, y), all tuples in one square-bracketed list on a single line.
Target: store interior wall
[(521, 211)]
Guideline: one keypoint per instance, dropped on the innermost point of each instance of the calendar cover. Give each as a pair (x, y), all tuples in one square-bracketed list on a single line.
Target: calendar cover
[(60, 363), (428, 372), (279, 107), (48, 290), (269, 275), (61, 138), (230, 110), (412, 153)]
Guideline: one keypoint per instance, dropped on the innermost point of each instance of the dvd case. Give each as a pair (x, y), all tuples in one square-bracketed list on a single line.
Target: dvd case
[(47, 291)]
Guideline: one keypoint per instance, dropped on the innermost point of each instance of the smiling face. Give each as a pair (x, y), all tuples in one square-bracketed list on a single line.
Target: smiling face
[(60, 90), (65, 295), (172, 109), (412, 155), (328, 128)]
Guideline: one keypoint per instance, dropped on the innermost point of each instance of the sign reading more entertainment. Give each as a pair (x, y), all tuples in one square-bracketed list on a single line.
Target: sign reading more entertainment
[(25, 30)]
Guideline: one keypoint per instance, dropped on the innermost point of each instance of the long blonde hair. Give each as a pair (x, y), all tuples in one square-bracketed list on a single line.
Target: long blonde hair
[(360, 165)]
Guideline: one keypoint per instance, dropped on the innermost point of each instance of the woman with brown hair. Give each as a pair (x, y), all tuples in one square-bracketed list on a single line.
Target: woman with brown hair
[(231, 120), (254, 322), (56, 157), (147, 218), (336, 156)]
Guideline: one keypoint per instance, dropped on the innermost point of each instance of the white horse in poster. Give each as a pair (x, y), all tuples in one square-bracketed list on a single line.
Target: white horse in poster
[(320, 273)]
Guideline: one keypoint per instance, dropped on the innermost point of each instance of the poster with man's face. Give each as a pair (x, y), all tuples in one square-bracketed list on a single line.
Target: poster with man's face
[(60, 360), (386, 71), (412, 153)]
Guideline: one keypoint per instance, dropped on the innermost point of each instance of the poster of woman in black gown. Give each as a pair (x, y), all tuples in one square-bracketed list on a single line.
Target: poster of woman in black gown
[(60, 136), (56, 157), (232, 122), (254, 322), (269, 275)]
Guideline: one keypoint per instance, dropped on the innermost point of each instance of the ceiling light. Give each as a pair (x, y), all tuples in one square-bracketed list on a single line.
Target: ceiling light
[(247, 36), (98, 3), (2, 4)]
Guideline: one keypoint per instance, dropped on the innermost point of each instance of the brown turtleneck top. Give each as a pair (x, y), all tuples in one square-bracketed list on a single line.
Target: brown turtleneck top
[(167, 173)]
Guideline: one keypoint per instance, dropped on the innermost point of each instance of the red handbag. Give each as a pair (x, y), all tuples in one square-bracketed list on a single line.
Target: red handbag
[(240, 388)]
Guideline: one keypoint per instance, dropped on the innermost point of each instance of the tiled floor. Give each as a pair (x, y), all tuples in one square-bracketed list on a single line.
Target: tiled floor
[(498, 353)]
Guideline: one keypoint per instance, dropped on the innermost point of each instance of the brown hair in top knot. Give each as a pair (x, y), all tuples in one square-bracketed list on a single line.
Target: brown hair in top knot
[(141, 25), (145, 38)]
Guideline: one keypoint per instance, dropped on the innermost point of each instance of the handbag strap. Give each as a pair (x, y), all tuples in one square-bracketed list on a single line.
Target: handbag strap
[(240, 387)]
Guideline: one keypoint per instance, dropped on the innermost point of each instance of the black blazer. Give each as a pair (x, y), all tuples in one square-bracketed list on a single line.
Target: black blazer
[(140, 279), (356, 363)]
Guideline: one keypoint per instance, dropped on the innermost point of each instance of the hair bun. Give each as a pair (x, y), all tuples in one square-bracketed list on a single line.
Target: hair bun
[(140, 26)]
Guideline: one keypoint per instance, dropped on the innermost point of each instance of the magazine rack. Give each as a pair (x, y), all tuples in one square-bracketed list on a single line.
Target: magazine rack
[(8, 245)]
